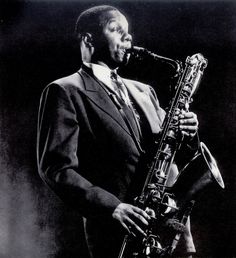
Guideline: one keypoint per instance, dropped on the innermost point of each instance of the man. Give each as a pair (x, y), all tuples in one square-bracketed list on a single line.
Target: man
[(95, 132)]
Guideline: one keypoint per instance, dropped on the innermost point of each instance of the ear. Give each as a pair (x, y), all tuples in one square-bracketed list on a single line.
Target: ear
[(88, 39)]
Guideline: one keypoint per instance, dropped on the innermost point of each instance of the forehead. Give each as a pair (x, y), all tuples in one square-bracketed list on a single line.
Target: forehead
[(114, 16)]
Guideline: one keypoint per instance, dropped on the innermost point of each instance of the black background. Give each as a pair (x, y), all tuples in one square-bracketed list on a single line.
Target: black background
[(37, 45)]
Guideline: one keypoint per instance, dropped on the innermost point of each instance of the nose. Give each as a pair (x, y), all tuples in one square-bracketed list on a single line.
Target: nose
[(127, 38)]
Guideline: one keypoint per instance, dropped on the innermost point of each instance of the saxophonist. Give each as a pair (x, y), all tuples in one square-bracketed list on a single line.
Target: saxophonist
[(96, 131)]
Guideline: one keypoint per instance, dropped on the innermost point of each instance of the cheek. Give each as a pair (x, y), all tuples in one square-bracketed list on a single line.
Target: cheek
[(112, 41)]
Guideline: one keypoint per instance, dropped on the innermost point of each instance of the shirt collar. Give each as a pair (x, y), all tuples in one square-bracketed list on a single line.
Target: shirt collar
[(102, 73)]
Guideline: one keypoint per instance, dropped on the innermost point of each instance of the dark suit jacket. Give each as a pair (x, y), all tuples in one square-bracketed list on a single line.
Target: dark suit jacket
[(88, 155), (86, 152)]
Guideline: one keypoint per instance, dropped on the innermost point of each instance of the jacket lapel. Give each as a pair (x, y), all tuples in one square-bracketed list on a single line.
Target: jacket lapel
[(95, 92), (149, 106)]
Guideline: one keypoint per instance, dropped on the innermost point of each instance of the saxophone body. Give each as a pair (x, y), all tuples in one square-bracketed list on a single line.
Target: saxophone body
[(172, 205)]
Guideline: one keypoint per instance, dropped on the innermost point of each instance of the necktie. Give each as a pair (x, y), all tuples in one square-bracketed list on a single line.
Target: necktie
[(122, 92), (120, 88)]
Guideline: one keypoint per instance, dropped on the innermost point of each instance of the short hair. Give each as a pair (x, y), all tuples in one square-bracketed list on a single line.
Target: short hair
[(92, 20)]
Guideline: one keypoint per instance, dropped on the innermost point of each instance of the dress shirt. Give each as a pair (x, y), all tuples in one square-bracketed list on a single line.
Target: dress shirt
[(103, 74)]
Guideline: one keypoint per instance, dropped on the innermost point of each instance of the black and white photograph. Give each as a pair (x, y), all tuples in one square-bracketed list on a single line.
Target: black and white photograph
[(117, 129)]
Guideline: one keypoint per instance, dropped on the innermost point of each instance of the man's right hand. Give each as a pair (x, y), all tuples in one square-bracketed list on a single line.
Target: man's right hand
[(132, 218)]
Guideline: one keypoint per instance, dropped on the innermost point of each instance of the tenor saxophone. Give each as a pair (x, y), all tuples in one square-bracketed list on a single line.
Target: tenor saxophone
[(172, 205)]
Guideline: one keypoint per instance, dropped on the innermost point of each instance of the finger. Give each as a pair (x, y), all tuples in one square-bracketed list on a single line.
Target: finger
[(141, 212), (185, 133), (140, 218), (192, 134), (188, 134), (188, 128), (134, 228), (150, 212), (188, 121), (188, 118), (128, 229), (187, 114), (177, 112)]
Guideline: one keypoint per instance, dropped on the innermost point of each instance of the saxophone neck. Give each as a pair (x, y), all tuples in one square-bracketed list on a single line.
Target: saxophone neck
[(140, 53)]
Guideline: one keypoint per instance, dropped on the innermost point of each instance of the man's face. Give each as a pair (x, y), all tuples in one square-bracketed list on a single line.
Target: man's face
[(114, 41)]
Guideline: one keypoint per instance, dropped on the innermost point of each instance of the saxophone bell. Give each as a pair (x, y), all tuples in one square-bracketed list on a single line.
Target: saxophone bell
[(198, 174)]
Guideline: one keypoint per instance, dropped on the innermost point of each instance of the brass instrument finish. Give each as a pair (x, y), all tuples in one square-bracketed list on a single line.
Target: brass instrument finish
[(171, 205)]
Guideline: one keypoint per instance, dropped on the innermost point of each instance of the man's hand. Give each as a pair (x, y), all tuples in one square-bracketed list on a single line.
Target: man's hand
[(132, 218), (188, 123)]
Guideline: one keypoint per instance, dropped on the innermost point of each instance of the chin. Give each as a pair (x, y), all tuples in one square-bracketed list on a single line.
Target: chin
[(119, 58), (124, 60), (115, 63)]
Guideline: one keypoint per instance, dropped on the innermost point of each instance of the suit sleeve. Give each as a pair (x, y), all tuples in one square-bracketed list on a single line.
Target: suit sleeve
[(58, 164)]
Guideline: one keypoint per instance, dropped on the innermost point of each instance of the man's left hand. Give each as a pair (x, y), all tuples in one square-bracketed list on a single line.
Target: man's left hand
[(188, 124)]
